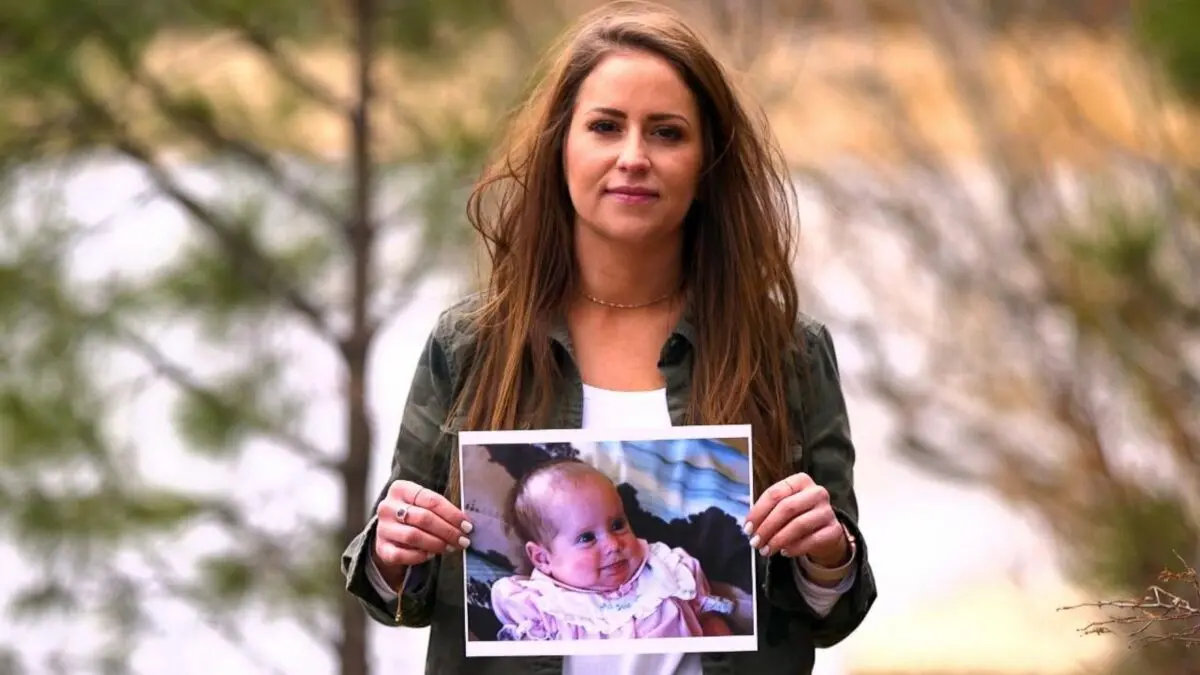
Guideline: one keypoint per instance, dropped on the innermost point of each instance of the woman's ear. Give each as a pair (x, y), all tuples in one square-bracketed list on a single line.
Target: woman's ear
[(538, 555)]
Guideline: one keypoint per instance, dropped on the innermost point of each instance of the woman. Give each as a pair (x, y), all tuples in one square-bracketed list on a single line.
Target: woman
[(638, 224)]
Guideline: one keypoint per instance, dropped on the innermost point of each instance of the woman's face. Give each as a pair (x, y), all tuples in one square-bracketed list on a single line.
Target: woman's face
[(634, 151)]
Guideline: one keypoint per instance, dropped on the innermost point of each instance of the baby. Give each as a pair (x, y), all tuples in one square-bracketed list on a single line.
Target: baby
[(593, 578)]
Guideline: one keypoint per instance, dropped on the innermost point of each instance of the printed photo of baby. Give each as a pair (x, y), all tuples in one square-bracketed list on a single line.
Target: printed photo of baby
[(586, 546), (593, 577)]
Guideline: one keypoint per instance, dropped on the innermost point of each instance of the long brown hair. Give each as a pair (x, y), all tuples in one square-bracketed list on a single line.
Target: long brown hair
[(737, 238)]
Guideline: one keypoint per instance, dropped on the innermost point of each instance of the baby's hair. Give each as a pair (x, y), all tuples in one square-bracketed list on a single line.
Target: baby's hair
[(522, 513)]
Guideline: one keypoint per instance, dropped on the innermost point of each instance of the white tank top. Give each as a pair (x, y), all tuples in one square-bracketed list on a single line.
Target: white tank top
[(604, 409)]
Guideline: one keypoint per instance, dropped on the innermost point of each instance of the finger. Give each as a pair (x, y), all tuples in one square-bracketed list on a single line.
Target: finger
[(411, 493), (771, 497), (822, 539), (425, 521), (786, 511), (407, 536), (792, 535), (391, 555)]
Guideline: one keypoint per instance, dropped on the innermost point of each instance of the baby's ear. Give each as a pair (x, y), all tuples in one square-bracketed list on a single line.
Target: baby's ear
[(538, 555)]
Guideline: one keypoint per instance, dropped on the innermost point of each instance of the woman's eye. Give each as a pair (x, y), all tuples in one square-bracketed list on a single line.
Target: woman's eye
[(602, 126), (669, 133)]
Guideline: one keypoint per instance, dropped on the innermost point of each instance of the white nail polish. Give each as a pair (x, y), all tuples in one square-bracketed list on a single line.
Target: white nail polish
[(748, 528), (766, 551), (754, 541), (467, 527), (464, 542)]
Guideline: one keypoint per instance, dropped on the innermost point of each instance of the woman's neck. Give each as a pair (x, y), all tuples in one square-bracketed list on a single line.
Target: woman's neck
[(628, 276)]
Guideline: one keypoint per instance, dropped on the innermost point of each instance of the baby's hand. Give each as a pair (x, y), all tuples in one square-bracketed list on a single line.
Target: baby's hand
[(714, 625), (742, 618)]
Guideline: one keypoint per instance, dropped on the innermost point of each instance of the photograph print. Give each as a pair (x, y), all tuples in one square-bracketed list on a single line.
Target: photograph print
[(606, 542)]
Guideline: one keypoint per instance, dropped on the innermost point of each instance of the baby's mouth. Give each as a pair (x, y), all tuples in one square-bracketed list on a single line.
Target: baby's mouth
[(615, 567)]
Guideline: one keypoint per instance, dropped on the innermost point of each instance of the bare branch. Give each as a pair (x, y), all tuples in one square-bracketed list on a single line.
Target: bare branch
[(1149, 615)]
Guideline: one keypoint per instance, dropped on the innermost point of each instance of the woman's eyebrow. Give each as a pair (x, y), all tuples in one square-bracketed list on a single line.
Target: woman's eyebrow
[(653, 117)]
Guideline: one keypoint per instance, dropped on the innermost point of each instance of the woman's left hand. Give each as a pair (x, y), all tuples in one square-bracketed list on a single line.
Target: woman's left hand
[(793, 518)]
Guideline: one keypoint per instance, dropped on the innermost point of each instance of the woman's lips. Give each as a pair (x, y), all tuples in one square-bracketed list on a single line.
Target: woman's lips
[(629, 196)]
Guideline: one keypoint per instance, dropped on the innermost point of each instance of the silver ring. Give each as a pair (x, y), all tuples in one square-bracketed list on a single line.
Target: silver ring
[(402, 513)]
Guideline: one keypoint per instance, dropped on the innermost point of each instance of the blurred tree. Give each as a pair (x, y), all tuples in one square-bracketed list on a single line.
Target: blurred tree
[(321, 186), (1051, 310)]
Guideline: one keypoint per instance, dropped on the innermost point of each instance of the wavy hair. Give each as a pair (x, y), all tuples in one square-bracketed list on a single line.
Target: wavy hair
[(738, 240)]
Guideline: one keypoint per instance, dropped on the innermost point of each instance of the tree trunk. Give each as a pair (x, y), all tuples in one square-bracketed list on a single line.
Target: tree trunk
[(353, 650)]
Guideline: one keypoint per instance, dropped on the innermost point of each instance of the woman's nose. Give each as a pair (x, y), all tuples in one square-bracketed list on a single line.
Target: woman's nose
[(633, 155)]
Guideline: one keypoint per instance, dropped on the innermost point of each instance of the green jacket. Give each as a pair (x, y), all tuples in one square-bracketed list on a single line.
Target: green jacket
[(789, 630)]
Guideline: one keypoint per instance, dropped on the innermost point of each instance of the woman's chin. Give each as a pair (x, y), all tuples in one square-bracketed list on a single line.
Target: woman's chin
[(631, 231)]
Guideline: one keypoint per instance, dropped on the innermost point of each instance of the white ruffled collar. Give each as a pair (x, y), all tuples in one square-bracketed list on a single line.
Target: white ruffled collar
[(663, 575)]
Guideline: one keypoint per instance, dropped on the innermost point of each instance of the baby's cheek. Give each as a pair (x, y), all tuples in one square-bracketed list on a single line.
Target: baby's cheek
[(583, 565)]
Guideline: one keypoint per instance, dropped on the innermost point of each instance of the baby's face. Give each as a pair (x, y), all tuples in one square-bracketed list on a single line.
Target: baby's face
[(593, 546)]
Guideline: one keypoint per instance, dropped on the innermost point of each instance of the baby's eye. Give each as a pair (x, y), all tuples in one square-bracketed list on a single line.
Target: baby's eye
[(618, 524), (586, 538)]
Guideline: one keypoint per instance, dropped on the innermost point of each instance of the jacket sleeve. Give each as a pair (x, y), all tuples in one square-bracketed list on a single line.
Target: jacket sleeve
[(422, 456), (827, 455)]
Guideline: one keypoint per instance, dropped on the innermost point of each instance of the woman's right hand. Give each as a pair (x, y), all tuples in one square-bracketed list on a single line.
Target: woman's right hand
[(415, 524)]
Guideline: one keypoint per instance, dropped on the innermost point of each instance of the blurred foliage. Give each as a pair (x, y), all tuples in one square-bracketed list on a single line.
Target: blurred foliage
[(211, 331), (1167, 28), (1047, 303), (268, 255)]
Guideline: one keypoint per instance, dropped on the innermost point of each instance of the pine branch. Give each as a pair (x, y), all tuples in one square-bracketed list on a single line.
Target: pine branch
[(291, 73), (186, 381), (217, 621), (244, 254), (206, 130)]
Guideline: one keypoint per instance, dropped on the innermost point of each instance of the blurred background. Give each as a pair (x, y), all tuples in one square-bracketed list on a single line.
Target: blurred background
[(226, 227)]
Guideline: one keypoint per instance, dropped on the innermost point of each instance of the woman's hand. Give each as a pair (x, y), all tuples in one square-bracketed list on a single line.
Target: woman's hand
[(414, 525), (794, 517)]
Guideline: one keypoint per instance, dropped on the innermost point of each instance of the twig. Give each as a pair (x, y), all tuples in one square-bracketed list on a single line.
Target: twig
[(1156, 609)]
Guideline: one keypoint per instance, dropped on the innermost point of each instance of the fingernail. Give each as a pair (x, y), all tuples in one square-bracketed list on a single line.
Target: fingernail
[(464, 542), (765, 551), (467, 527), (450, 549), (783, 552), (754, 541), (748, 528)]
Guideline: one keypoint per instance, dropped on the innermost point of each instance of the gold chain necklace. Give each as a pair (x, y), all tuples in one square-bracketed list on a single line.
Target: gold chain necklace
[(614, 305)]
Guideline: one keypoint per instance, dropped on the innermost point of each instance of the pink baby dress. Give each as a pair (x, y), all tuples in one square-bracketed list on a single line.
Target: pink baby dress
[(663, 599)]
